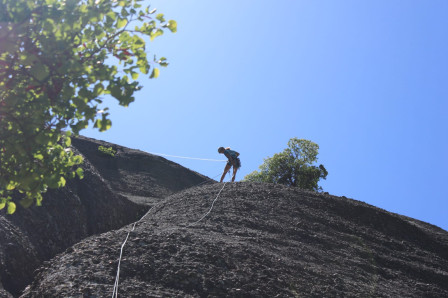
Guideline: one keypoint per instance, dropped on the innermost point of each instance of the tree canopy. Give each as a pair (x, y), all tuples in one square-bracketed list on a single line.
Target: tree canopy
[(58, 59), (294, 166)]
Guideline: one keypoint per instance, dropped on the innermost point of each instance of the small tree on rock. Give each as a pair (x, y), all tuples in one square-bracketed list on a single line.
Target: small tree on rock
[(294, 166)]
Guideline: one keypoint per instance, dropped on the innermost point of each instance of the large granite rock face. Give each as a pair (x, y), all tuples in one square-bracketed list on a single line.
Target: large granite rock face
[(258, 240), (104, 200)]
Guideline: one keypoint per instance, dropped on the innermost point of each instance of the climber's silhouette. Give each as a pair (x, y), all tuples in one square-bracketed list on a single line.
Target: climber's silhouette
[(233, 160)]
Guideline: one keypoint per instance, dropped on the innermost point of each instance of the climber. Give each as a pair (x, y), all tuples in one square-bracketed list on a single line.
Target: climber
[(233, 160)]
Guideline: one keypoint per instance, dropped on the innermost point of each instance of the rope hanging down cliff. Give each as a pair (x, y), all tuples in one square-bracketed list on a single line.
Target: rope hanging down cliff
[(117, 277)]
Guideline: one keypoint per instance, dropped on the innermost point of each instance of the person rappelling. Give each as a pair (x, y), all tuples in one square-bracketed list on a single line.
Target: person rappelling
[(233, 160)]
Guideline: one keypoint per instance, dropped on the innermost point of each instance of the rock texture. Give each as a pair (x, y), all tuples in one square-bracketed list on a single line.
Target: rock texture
[(107, 198), (259, 240), (141, 177)]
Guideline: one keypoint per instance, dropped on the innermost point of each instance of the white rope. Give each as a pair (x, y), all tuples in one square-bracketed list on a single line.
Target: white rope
[(117, 277), (213, 203), (185, 157)]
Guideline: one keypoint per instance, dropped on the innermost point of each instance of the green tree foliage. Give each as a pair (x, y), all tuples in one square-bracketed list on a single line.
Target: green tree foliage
[(107, 151), (294, 166), (58, 58)]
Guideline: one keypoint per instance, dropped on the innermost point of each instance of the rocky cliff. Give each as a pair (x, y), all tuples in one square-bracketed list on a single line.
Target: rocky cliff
[(256, 240), (115, 191)]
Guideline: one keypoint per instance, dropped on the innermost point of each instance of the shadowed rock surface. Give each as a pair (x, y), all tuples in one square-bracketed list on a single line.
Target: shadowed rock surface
[(142, 177), (259, 240), (98, 203)]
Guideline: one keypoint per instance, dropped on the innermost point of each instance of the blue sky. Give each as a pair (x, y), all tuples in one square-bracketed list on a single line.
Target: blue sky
[(366, 80)]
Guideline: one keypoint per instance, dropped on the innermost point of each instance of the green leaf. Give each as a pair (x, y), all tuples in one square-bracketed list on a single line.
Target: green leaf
[(68, 142), (121, 23), (38, 156), (77, 159), (11, 207), (160, 18), (172, 25), (49, 25), (162, 62), (39, 71), (61, 182), (80, 173), (111, 16), (134, 75), (11, 186), (2, 203), (143, 67), (39, 199), (103, 124), (155, 73), (154, 33)]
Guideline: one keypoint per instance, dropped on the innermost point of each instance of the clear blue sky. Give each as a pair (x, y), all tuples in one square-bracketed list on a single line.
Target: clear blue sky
[(366, 80)]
